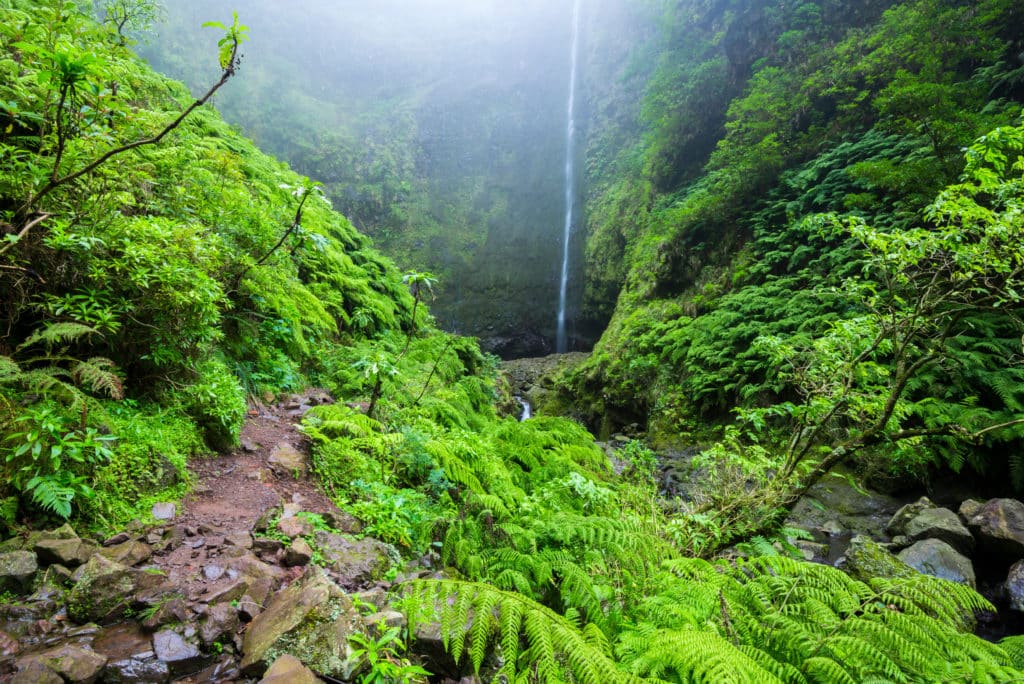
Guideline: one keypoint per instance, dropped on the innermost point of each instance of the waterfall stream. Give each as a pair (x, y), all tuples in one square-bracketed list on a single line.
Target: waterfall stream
[(561, 339)]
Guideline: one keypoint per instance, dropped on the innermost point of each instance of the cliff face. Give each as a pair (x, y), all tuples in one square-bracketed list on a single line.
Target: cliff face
[(442, 136)]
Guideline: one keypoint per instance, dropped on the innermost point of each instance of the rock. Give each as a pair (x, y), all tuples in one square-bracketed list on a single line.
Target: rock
[(65, 531), (101, 592), (67, 552), (858, 509), (937, 558), (264, 545), (287, 460), (221, 621), (137, 671), (164, 511), (119, 538), (385, 620), (251, 605), (242, 540), (289, 670), (313, 617), (128, 553), (812, 551), (898, 523), (866, 559), (253, 569), (212, 573), (970, 508), (230, 591), (17, 568), (34, 672), (290, 510), (940, 523), (1014, 586), (295, 527), (9, 646), (249, 446), (179, 655), (999, 527), (73, 663), (298, 553), (171, 611), (356, 561)]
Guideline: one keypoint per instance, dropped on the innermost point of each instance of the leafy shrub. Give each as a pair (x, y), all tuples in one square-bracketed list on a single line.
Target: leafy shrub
[(216, 402)]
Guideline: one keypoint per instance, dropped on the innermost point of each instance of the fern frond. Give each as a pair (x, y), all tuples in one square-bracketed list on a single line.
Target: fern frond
[(97, 375), (58, 333), (552, 642)]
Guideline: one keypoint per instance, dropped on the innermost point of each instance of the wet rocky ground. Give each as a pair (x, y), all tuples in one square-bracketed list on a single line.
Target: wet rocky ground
[(256, 564)]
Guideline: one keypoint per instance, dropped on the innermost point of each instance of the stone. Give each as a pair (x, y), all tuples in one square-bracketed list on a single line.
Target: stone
[(227, 592), (164, 510), (855, 508), (999, 527), (287, 460), (179, 655), (252, 603), (289, 670), (137, 671), (1014, 586), (119, 538), (249, 446), (312, 616), (212, 573), (67, 552), (171, 611), (75, 664), (240, 539), (356, 561), (940, 523), (812, 551), (970, 508), (34, 672), (298, 553), (290, 510), (898, 523), (101, 592), (385, 620), (937, 558), (17, 568), (221, 621), (65, 531), (294, 527), (265, 545), (128, 553), (9, 646), (866, 559)]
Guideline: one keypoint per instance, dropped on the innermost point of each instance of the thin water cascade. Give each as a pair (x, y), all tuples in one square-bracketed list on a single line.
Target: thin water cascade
[(561, 339)]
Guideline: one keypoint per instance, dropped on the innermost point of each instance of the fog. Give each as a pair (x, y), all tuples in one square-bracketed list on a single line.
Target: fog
[(437, 126)]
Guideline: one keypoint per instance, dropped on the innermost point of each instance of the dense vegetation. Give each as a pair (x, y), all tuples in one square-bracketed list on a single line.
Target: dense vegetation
[(158, 270), (782, 274)]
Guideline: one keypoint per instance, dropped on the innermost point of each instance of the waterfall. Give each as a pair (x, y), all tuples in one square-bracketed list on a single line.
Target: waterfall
[(561, 340)]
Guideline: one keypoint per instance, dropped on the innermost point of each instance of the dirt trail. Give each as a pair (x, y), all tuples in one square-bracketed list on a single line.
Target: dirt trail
[(233, 491)]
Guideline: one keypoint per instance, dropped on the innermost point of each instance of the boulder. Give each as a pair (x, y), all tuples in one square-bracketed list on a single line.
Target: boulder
[(288, 669), (298, 553), (940, 523), (128, 553), (970, 508), (34, 672), (312, 617), (287, 460), (855, 508), (73, 663), (137, 670), (1014, 586), (101, 592), (898, 523), (164, 510), (68, 552), (866, 559), (999, 527), (17, 568), (179, 655), (356, 562), (221, 621), (937, 558), (294, 527), (9, 646)]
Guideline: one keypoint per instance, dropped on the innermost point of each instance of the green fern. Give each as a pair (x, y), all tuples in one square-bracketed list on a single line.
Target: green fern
[(533, 639)]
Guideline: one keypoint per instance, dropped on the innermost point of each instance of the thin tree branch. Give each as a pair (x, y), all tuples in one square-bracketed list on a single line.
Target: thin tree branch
[(24, 231)]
